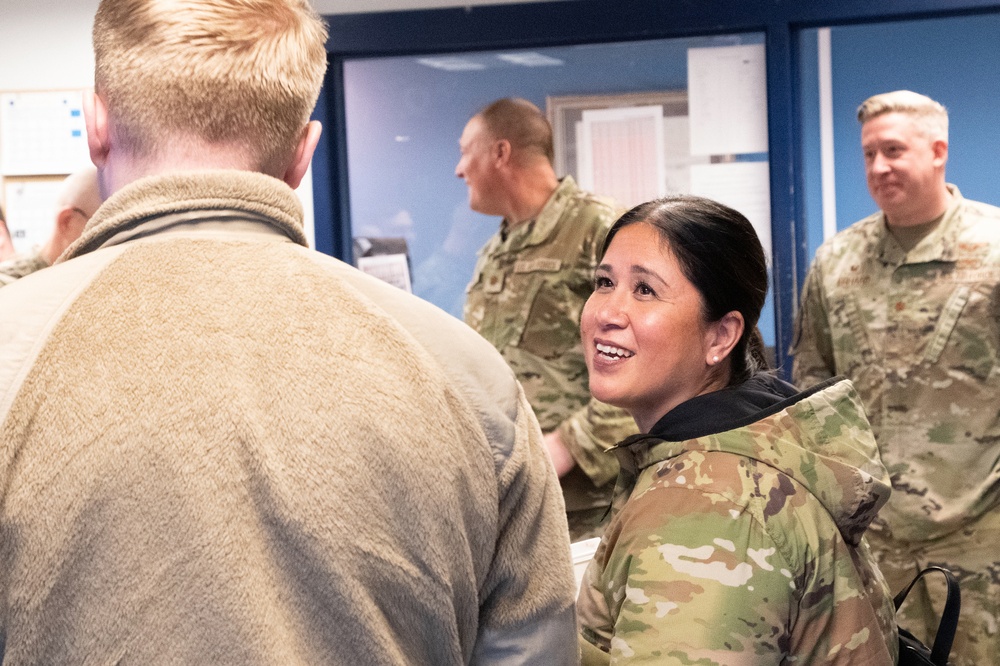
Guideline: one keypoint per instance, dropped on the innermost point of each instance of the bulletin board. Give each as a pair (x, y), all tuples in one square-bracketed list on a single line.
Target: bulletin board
[(42, 133), (43, 139)]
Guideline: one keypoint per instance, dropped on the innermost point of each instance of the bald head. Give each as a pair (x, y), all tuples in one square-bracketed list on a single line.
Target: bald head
[(80, 190), (506, 160), (522, 124), (78, 199)]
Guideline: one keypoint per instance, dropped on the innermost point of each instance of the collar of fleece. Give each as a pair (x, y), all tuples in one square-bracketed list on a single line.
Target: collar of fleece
[(216, 193)]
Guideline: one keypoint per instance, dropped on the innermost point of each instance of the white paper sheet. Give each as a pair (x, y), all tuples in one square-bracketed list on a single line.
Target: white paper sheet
[(391, 268), (744, 186), (677, 154), (620, 153), (727, 100), (31, 209), (42, 133)]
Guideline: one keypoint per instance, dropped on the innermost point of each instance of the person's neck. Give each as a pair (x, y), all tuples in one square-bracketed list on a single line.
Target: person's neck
[(56, 244), (531, 189), (908, 237), (183, 155), (927, 212), (51, 250)]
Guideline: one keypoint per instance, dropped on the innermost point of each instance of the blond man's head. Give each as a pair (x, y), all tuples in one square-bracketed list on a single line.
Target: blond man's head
[(245, 74), (930, 116)]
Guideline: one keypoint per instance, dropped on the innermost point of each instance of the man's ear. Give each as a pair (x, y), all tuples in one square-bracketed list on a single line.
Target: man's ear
[(501, 152), (723, 336), (296, 170), (940, 148), (64, 218), (95, 113)]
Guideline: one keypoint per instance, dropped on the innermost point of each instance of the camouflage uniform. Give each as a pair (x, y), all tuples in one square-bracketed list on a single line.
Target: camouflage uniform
[(525, 297), (744, 545), (19, 266), (918, 334)]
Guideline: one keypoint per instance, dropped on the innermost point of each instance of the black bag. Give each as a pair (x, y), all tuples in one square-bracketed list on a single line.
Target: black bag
[(914, 653)]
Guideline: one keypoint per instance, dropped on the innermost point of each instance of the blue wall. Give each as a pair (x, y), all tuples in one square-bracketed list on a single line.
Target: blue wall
[(953, 60)]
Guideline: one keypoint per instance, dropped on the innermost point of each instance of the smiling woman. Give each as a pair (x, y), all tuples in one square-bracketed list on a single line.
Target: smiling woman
[(737, 532), (644, 313)]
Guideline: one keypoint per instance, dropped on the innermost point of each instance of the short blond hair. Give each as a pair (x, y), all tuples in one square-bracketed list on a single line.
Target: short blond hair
[(239, 72), (930, 116)]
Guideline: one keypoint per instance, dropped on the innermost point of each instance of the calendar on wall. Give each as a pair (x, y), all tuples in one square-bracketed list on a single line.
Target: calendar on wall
[(43, 138), (42, 133)]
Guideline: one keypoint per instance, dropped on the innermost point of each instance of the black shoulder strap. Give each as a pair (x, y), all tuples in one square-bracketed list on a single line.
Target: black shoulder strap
[(949, 617)]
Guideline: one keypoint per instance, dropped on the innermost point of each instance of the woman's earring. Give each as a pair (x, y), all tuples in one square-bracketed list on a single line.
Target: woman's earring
[(715, 359)]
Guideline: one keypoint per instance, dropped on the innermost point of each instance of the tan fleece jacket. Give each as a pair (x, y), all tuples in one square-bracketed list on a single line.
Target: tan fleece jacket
[(217, 446)]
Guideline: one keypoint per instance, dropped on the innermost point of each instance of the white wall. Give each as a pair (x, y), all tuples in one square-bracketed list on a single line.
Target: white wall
[(45, 44)]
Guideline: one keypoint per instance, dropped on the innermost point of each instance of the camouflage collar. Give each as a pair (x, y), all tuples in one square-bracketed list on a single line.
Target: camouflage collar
[(821, 438), (21, 265), (538, 230), (730, 408)]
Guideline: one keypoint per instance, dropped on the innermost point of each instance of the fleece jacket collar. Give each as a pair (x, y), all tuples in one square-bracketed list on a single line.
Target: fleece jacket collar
[(157, 203)]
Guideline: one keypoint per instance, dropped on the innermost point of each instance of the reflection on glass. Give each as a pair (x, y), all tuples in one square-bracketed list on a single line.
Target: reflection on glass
[(703, 130)]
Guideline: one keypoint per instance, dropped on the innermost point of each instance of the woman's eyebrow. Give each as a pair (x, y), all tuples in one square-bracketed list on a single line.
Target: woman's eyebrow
[(642, 270)]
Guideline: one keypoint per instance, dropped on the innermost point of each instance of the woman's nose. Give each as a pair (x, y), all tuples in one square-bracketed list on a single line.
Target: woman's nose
[(611, 310)]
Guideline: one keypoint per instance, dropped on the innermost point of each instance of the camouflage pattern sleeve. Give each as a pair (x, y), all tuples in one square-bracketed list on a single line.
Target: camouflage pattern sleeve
[(715, 558), (591, 655), (20, 266), (590, 432), (812, 349), (701, 586)]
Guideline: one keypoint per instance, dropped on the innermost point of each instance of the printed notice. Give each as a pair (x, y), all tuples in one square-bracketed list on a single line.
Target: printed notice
[(727, 100), (620, 153), (31, 209), (42, 133), (744, 186), (391, 268)]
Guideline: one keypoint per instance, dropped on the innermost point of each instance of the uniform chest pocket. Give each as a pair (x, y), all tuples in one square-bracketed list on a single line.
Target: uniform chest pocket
[(946, 323), (552, 321), (965, 337), (498, 304)]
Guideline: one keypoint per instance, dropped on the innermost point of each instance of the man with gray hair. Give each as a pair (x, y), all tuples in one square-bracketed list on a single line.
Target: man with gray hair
[(222, 447), (906, 303), (78, 199)]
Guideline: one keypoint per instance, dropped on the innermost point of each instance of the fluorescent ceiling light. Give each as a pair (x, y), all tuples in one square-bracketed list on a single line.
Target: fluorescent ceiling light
[(452, 64), (530, 59)]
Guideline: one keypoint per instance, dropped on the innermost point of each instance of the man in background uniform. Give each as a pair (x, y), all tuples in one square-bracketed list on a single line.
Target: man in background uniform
[(528, 290), (906, 304), (78, 198)]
